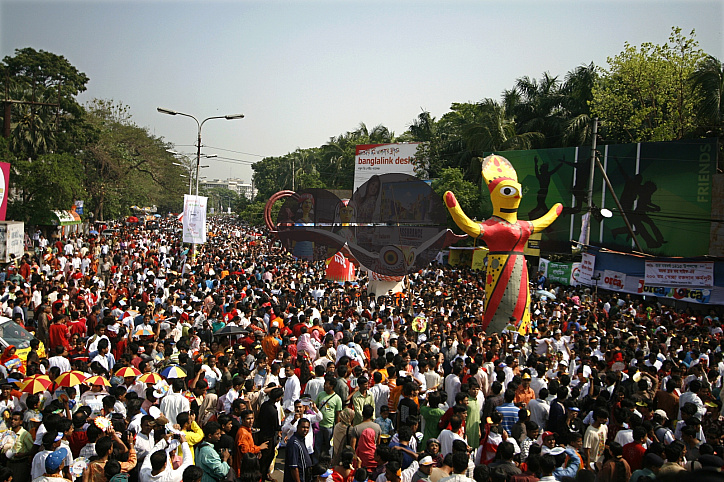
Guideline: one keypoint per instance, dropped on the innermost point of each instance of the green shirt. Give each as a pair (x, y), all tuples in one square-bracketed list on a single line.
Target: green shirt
[(358, 402), (328, 405), (432, 417)]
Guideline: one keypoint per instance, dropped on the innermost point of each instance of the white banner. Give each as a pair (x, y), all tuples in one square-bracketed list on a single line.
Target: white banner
[(194, 220), (543, 266), (696, 275), (378, 159), (575, 274), (588, 263), (613, 280)]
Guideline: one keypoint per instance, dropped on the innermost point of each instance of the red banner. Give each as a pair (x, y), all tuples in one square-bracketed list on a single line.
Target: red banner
[(4, 188)]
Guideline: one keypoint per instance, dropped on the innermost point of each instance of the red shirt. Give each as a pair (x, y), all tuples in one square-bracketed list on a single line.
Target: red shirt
[(58, 334), (633, 453), (78, 326)]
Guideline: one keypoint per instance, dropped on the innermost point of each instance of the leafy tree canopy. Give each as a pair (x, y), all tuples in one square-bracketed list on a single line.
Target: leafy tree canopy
[(646, 95)]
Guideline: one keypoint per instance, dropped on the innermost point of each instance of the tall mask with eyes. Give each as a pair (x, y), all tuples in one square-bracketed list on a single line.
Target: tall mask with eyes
[(502, 182)]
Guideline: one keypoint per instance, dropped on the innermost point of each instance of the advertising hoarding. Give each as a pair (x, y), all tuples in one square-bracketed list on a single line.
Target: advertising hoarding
[(665, 189), (378, 159)]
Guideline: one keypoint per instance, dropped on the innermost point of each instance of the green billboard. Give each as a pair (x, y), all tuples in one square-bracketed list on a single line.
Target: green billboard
[(665, 189)]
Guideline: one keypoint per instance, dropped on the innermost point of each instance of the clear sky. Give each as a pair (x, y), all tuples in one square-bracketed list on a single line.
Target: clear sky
[(304, 71)]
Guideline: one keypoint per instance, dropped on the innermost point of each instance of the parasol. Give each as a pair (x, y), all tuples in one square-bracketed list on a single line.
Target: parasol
[(173, 371), (70, 379)]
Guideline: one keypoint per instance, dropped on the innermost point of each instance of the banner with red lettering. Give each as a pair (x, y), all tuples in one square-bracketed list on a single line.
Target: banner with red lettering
[(613, 280), (377, 159)]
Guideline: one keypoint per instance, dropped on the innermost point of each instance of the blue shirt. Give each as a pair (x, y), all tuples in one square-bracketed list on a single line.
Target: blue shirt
[(510, 415), (297, 457)]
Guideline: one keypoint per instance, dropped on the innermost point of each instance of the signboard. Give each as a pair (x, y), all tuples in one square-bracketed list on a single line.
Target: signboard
[(613, 280), (665, 187), (696, 275), (588, 263), (4, 188), (194, 219), (575, 274), (79, 206), (692, 295), (559, 273), (377, 159)]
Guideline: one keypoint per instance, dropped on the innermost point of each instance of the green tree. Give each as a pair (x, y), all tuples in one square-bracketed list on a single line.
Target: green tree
[(127, 165), (32, 78), (467, 194), (708, 79), (646, 93), (53, 181)]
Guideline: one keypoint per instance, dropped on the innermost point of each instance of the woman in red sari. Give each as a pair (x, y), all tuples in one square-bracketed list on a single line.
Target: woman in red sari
[(11, 361)]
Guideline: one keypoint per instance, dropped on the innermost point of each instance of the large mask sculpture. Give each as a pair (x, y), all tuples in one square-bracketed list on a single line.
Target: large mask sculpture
[(507, 293)]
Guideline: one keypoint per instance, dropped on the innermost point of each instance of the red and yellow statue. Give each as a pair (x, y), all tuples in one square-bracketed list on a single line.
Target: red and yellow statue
[(506, 283)]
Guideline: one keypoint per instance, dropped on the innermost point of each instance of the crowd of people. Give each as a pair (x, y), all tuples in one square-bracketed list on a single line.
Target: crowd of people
[(151, 364)]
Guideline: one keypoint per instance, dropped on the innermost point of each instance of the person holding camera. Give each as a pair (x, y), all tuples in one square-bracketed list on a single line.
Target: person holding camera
[(215, 466)]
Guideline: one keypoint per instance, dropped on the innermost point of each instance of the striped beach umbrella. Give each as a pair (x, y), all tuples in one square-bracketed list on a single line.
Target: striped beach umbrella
[(150, 378), (37, 384), (98, 380), (70, 379), (128, 372), (173, 371)]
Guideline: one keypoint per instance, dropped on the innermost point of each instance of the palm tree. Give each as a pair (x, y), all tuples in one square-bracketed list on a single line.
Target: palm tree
[(539, 108), (577, 93), (708, 78), (494, 130)]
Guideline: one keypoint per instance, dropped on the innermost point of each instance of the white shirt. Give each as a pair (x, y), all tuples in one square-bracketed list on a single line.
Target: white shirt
[(290, 427), (406, 474), (452, 387), (292, 392), (61, 362), (693, 398), (314, 387), (539, 410), (380, 394), (169, 474), (173, 404), (446, 438)]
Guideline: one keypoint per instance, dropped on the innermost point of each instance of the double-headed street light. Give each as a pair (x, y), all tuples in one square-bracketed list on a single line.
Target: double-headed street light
[(200, 125)]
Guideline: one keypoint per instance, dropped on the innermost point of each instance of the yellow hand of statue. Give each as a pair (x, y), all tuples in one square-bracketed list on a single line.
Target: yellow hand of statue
[(544, 221), (470, 227)]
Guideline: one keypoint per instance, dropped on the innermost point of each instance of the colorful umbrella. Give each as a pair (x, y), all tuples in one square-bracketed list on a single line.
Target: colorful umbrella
[(98, 380), (70, 379), (37, 384), (128, 372), (150, 378), (144, 332), (173, 371)]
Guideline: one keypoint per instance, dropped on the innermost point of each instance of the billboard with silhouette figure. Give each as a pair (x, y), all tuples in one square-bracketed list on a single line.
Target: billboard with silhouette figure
[(665, 189)]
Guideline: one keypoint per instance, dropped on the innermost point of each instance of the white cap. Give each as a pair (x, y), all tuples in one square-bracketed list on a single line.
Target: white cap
[(427, 460), (662, 413)]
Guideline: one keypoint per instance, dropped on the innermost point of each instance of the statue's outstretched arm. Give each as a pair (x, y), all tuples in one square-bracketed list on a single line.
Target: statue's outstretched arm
[(544, 221), (470, 227)]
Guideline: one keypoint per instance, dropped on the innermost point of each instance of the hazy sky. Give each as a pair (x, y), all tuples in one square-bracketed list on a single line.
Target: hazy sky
[(304, 71)]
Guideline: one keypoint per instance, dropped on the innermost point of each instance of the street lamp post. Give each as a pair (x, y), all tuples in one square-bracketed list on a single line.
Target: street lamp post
[(198, 145), (200, 125)]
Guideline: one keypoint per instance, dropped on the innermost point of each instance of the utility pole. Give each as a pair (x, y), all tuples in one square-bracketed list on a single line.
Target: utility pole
[(592, 170)]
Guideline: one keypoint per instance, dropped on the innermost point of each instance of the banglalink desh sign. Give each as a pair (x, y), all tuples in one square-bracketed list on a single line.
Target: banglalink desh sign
[(377, 159)]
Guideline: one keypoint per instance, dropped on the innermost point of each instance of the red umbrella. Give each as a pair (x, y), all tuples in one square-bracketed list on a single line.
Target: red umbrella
[(132, 219)]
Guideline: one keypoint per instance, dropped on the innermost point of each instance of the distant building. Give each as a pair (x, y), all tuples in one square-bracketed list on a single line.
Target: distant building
[(233, 184)]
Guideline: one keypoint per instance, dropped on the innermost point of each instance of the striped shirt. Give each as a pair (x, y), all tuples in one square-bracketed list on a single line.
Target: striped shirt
[(510, 415)]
